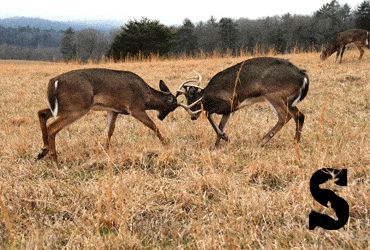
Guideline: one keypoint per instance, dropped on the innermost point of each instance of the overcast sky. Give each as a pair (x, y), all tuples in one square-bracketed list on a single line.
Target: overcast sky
[(167, 12)]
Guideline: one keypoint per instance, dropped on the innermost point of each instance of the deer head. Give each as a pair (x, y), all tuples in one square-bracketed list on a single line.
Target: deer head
[(193, 95)]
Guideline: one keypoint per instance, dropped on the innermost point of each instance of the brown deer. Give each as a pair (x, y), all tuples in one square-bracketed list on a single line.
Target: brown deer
[(73, 94), (276, 81), (359, 37)]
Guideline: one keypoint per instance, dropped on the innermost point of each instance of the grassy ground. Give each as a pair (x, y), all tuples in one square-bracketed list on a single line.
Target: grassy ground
[(187, 195)]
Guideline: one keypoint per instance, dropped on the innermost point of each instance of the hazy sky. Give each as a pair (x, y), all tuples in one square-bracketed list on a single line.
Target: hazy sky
[(167, 12)]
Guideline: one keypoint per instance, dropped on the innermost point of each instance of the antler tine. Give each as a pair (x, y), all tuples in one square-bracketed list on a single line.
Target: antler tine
[(188, 107), (197, 78), (179, 92), (193, 85), (190, 112)]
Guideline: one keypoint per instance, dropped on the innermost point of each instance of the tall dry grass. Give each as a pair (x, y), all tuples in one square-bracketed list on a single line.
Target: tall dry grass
[(188, 195)]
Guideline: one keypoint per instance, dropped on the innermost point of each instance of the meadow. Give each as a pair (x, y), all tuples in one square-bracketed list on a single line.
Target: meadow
[(140, 194)]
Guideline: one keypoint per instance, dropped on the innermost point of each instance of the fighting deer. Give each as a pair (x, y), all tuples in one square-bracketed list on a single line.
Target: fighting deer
[(73, 94), (276, 81), (359, 37)]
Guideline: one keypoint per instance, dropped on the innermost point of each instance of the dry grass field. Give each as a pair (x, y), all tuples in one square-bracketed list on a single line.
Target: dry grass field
[(187, 195)]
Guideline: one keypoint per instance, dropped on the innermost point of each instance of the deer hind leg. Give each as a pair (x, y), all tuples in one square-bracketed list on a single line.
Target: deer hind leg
[(298, 117), (57, 125), (111, 120), (145, 119), (44, 115), (361, 50), (222, 126), (53, 128), (281, 110)]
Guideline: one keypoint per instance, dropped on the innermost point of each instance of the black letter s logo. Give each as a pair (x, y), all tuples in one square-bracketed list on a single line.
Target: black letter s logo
[(324, 195)]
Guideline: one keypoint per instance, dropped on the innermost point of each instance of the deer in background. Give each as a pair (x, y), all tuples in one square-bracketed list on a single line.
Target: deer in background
[(359, 37), (276, 81), (73, 94)]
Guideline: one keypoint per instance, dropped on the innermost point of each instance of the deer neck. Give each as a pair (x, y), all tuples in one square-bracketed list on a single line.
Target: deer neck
[(156, 100)]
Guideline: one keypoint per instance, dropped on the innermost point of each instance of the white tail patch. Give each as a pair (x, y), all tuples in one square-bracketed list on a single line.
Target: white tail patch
[(367, 39), (296, 101), (55, 111)]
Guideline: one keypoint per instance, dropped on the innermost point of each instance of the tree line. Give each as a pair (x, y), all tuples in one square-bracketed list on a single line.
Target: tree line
[(279, 33), (29, 43), (145, 37)]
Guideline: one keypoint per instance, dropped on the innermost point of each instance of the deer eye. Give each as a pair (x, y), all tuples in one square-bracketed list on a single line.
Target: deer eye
[(170, 99)]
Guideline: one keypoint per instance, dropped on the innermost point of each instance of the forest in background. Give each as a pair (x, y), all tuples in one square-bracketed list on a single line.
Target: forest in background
[(283, 34)]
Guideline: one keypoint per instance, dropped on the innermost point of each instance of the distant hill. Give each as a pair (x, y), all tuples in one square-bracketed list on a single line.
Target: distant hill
[(43, 24)]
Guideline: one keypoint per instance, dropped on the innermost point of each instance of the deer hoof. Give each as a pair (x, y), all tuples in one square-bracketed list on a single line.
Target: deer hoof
[(43, 153), (165, 142), (224, 137)]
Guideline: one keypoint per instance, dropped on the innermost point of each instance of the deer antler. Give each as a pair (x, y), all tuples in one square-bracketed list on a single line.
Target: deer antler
[(188, 107), (197, 78)]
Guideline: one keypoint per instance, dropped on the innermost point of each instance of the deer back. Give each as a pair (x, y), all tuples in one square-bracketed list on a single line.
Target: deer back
[(105, 89), (249, 82)]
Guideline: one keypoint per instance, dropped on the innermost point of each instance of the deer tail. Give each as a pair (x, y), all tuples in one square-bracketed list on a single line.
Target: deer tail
[(303, 90), (53, 96)]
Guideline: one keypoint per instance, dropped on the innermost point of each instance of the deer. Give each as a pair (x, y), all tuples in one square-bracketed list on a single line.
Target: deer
[(275, 81), (73, 94), (359, 37)]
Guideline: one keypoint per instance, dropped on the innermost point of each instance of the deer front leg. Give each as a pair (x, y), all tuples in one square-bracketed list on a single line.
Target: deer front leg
[(222, 126), (341, 51), (145, 119), (220, 134), (111, 120)]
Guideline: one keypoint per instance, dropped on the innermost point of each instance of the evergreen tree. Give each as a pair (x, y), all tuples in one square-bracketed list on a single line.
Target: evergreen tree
[(331, 19), (67, 45), (144, 36), (228, 32), (207, 35), (185, 39), (362, 16)]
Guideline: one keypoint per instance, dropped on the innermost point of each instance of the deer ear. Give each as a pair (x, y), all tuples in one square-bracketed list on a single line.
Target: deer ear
[(163, 87)]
